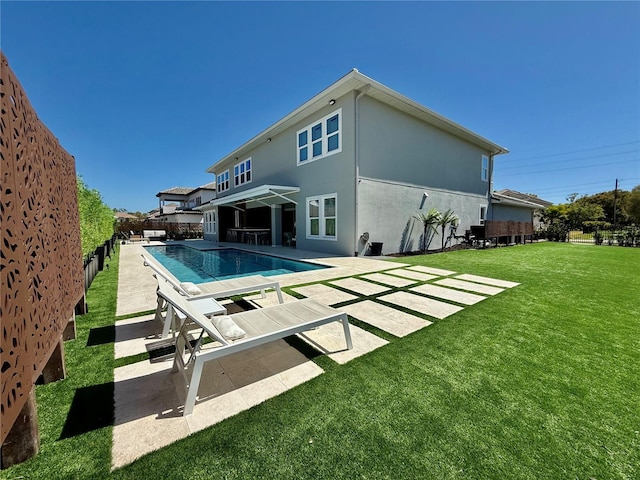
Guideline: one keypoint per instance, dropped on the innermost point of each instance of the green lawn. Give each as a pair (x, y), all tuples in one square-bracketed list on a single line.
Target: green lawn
[(541, 381)]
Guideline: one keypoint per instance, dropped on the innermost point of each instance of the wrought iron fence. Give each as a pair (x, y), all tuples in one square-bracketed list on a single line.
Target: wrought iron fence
[(627, 237)]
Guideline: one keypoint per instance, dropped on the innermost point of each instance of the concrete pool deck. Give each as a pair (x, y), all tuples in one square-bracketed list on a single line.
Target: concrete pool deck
[(149, 399), (137, 285)]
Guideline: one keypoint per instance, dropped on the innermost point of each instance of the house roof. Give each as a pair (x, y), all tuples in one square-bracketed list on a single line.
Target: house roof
[(186, 190), (512, 197), (208, 186), (176, 191), (125, 215), (354, 80)]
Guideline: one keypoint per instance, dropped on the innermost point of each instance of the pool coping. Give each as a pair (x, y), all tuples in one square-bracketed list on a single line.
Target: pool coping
[(306, 264), (137, 286)]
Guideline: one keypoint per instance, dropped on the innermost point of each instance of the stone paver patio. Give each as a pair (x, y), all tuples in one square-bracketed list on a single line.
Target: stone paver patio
[(448, 294), (149, 399), (427, 306), (385, 318), (470, 286), (361, 287), (391, 280), (412, 274)]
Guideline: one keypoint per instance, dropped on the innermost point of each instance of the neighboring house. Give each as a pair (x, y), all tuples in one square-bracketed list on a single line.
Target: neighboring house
[(122, 217), (352, 165), (509, 205), (182, 204)]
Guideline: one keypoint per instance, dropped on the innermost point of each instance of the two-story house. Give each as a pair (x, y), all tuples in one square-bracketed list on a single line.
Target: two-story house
[(350, 166), (181, 204)]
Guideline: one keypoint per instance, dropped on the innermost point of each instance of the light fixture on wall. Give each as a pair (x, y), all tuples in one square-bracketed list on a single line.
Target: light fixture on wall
[(268, 139), (332, 102), (236, 159), (425, 195)]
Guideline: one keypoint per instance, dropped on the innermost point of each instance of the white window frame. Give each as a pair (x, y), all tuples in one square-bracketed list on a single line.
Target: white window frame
[(240, 178), (222, 181), (322, 235), (324, 139), (483, 214), (484, 169)]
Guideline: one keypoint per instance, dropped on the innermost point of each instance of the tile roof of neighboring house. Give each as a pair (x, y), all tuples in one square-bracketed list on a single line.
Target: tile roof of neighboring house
[(186, 190), (177, 191), (124, 215), (208, 186), (523, 198)]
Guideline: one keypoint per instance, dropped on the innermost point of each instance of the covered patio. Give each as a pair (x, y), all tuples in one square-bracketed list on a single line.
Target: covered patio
[(264, 215)]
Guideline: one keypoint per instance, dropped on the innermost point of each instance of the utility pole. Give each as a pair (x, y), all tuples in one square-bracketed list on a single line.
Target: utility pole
[(615, 203)]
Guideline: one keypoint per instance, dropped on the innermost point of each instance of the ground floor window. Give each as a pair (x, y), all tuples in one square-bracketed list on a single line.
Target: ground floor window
[(210, 222), (322, 214)]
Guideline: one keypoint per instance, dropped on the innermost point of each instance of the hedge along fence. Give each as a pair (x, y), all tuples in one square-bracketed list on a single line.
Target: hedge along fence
[(96, 219)]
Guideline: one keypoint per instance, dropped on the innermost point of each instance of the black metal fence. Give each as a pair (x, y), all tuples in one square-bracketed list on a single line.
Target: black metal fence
[(628, 237), (94, 262)]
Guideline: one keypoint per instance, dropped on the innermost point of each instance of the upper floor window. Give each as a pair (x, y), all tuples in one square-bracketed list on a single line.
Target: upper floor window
[(198, 201), (484, 173), (222, 182), (321, 138), (242, 172)]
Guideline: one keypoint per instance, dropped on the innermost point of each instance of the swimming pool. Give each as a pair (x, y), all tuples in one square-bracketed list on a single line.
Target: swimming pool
[(199, 266)]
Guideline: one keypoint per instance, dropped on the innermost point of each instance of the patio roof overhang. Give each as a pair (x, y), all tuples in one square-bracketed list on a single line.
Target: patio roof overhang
[(265, 194), (514, 202)]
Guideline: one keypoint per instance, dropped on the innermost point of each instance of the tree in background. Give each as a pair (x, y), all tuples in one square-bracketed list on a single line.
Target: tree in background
[(632, 205), (606, 200), (96, 218), (583, 211)]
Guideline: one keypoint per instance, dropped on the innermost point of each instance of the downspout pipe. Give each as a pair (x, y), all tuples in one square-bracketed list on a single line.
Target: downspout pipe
[(356, 135)]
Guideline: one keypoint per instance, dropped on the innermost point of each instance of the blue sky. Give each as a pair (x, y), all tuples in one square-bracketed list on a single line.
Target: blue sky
[(147, 95)]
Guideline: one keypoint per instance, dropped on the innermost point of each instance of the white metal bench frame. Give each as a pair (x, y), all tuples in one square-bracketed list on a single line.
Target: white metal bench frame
[(300, 316)]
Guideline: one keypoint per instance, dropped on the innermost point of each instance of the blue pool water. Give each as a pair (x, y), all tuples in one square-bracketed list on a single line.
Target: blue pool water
[(199, 266)]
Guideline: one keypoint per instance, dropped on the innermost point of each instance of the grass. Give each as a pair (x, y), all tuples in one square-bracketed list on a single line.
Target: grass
[(75, 414), (541, 381)]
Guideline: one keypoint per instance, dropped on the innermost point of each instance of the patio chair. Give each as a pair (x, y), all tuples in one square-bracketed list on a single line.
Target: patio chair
[(247, 330), (214, 290)]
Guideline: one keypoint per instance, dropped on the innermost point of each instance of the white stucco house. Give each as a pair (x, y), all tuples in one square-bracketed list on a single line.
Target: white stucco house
[(351, 166)]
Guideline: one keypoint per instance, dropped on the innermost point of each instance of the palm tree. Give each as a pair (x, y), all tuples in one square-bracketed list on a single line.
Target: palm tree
[(446, 218), (429, 221)]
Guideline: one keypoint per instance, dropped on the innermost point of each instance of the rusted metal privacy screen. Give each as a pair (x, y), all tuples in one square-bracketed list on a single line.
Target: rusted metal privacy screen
[(497, 228), (40, 255)]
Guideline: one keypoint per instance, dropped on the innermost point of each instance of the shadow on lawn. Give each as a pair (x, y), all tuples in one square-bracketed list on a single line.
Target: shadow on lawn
[(101, 335), (92, 408)]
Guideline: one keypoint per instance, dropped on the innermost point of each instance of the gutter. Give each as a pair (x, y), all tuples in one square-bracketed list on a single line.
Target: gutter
[(356, 137)]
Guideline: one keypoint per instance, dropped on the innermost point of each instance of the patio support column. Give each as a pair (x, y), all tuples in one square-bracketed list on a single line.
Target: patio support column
[(69, 332), (23, 440), (276, 225), (54, 370)]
